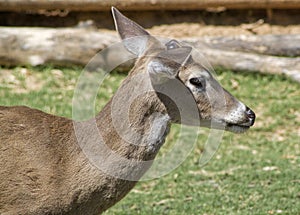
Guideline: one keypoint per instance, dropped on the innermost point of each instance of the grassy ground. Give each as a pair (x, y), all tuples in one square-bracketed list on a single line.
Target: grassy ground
[(253, 173)]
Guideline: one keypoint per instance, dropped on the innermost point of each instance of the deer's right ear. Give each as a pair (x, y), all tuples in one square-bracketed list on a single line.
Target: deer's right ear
[(135, 38)]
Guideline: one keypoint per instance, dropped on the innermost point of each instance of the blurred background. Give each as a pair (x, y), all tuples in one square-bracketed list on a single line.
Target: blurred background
[(254, 47)]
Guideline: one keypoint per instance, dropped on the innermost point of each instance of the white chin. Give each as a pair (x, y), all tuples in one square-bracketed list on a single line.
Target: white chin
[(236, 128), (215, 124)]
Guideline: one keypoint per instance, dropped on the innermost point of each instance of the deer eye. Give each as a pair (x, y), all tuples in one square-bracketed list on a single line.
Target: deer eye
[(198, 82), (172, 44)]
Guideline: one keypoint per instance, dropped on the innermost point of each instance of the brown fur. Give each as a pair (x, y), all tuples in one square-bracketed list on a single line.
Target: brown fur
[(45, 172), (44, 166)]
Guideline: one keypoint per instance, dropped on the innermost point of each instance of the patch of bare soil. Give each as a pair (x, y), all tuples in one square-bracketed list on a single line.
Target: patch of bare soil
[(20, 80), (179, 23)]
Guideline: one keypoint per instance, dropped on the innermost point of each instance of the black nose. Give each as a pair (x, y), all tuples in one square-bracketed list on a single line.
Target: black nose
[(251, 115)]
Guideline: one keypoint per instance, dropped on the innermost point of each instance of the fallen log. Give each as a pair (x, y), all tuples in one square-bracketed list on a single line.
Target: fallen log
[(277, 45), (36, 46), (102, 5), (240, 61)]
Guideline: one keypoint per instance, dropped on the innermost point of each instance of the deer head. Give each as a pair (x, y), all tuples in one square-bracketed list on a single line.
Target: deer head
[(171, 61)]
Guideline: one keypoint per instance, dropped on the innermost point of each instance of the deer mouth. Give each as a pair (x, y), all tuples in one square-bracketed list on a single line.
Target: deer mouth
[(223, 125), (235, 128)]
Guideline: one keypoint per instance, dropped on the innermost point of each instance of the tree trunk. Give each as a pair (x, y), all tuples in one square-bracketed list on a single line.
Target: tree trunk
[(101, 5), (278, 45), (241, 61), (36, 46)]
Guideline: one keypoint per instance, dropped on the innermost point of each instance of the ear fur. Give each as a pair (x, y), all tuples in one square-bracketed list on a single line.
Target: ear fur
[(167, 63), (135, 38)]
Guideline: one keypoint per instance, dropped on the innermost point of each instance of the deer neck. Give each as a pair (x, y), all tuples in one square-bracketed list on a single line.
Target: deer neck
[(123, 140), (135, 122)]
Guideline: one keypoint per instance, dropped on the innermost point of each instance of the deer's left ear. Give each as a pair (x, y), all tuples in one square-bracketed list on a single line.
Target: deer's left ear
[(135, 38), (166, 64)]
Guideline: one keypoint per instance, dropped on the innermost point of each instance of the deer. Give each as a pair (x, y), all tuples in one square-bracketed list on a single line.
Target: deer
[(44, 169)]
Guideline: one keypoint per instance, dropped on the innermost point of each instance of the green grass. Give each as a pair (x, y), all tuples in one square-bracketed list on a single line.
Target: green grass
[(253, 173)]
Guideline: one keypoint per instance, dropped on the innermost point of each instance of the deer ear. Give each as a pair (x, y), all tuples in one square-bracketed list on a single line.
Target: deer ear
[(167, 63), (134, 37)]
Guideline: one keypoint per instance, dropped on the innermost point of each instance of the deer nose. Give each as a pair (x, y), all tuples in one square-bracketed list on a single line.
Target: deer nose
[(251, 115)]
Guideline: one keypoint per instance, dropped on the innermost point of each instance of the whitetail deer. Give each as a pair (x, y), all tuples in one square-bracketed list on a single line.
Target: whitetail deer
[(43, 169)]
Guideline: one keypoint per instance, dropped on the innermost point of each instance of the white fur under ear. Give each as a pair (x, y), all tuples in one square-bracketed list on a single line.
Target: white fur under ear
[(157, 67), (167, 63), (161, 72), (135, 37)]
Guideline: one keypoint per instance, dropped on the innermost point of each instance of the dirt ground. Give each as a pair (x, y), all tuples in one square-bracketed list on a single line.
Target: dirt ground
[(199, 30), (170, 23)]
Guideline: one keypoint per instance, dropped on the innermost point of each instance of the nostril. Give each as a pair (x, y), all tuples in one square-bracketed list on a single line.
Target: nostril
[(250, 114)]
